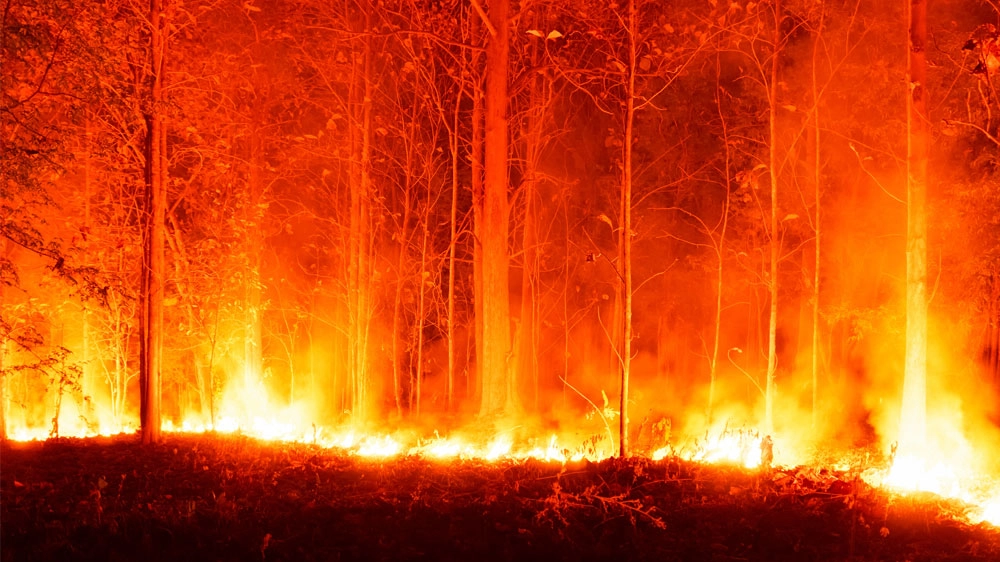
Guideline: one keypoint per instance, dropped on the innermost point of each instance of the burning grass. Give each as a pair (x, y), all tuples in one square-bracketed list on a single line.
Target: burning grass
[(228, 497)]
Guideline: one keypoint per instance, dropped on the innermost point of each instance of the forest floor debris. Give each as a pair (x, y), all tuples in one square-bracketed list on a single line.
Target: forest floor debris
[(226, 497)]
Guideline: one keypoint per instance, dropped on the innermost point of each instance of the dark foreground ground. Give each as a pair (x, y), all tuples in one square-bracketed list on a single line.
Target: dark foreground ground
[(229, 498)]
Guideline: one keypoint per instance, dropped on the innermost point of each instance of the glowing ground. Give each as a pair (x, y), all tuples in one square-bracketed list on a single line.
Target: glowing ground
[(211, 497)]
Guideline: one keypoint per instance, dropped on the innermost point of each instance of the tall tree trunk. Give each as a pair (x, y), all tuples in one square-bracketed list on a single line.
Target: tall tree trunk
[(720, 246), (182, 263), (360, 230), (772, 324), (151, 338), (3, 393), (498, 390), (995, 364), (565, 299), (397, 314), (452, 243), (817, 225), (533, 134), (477, 149), (527, 333), (913, 422), (253, 336), (421, 308), (401, 280), (87, 371), (993, 329), (3, 354), (625, 235)]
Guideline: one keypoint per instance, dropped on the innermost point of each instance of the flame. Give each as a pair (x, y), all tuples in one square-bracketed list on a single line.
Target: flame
[(247, 408), (384, 446), (910, 472), (740, 447), (721, 445), (914, 473), (907, 472), (441, 448), (946, 463), (497, 448), (989, 512), (28, 434)]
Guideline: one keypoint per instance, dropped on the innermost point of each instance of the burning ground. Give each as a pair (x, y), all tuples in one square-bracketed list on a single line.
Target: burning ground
[(227, 497)]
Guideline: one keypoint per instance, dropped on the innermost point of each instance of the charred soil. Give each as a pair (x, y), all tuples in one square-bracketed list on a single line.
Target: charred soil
[(211, 497)]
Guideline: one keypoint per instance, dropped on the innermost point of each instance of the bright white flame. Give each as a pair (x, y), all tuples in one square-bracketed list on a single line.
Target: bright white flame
[(909, 472), (500, 447), (384, 446), (441, 448), (550, 453), (989, 512), (739, 447)]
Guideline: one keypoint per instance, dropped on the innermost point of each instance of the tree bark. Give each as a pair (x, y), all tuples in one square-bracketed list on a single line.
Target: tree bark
[(3, 391), (151, 324), (993, 329), (253, 335), (913, 423), (421, 310), (86, 375), (476, 165), (3, 355), (452, 244), (817, 222), (403, 237), (360, 229), (772, 324), (720, 247), (529, 327), (182, 266), (625, 236), (497, 389)]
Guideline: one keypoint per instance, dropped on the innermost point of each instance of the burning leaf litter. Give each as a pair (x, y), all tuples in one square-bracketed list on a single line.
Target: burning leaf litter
[(228, 496), (741, 447)]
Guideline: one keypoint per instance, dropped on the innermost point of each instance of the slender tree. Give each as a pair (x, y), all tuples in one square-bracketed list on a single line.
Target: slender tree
[(476, 165), (455, 159), (719, 246), (360, 241), (774, 239), (817, 222), (913, 424), (625, 230), (402, 236), (3, 354), (532, 135), (151, 334), (498, 395)]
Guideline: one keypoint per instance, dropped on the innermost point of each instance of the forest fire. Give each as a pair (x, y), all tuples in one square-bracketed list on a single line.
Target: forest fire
[(595, 270), (948, 480), (949, 472)]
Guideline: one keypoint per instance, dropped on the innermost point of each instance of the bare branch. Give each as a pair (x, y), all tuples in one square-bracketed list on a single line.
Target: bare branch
[(992, 138), (484, 17)]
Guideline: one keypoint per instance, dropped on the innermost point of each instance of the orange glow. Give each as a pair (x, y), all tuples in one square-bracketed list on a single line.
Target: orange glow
[(946, 463), (742, 447), (948, 473), (729, 251), (945, 478)]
